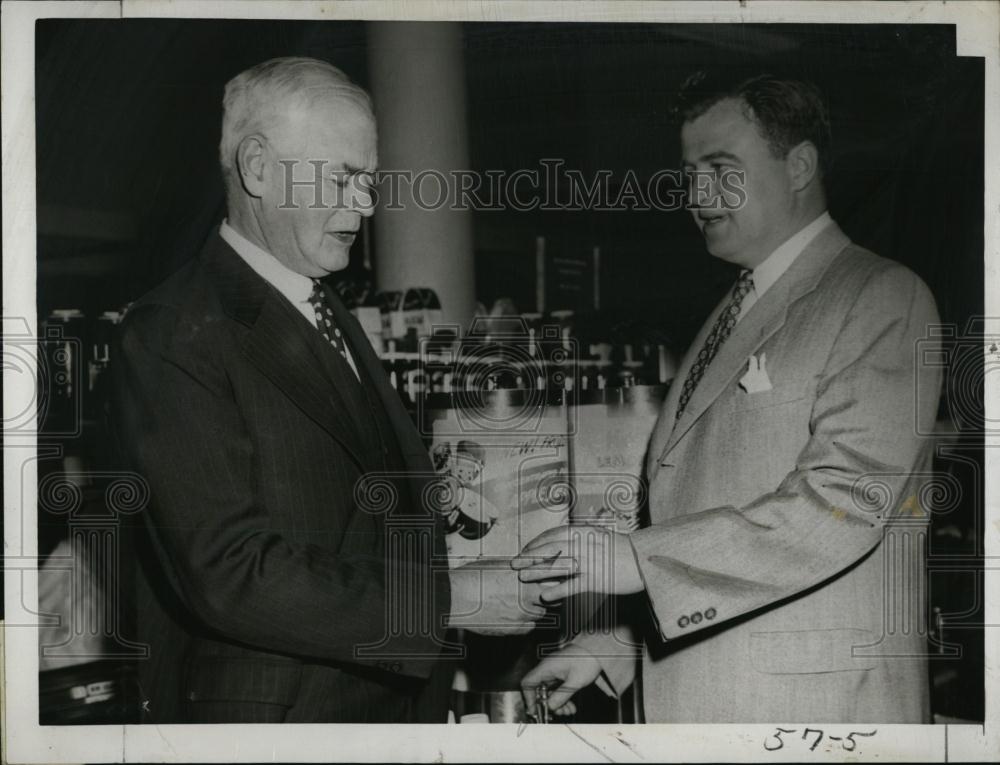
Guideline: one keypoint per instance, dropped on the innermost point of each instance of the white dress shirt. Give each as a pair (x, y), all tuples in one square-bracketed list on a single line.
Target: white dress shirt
[(779, 261), (295, 287)]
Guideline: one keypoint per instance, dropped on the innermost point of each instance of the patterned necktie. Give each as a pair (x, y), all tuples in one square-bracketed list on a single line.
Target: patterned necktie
[(324, 319), (721, 330)]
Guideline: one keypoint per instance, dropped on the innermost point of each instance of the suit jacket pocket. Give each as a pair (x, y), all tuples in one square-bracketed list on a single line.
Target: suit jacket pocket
[(809, 651), (225, 679), (782, 393)]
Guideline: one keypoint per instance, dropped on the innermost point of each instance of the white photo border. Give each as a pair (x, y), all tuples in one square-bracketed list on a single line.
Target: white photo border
[(25, 741)]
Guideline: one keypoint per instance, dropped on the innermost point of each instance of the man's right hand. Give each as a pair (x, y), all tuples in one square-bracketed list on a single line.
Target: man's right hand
[(572, 668), (488, 598)]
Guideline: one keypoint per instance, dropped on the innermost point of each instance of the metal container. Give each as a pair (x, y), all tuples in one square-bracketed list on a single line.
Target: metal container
[(490, 682), (490, 706)]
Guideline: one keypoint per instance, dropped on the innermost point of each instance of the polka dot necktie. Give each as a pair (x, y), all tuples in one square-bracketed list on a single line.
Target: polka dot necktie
[(721, 330), (324, 319)]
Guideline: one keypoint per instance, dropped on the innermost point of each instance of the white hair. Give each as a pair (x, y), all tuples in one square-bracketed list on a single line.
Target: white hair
[(255, 98)]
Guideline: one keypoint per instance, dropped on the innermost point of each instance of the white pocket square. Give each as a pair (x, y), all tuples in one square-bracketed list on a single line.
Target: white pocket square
[(756, 379)]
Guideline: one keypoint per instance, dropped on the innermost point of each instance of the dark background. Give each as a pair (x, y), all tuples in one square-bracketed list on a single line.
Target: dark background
[(128, 127), (128, 115)]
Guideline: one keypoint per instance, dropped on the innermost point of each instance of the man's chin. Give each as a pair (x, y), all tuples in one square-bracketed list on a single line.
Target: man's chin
[(335, 260), (718, 249)]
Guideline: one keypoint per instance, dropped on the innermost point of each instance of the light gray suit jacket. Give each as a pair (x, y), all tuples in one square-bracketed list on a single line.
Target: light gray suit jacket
[(784, 564)]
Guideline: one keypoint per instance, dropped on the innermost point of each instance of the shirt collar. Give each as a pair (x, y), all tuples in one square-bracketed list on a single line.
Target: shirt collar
[(294, 286), (768, 272)]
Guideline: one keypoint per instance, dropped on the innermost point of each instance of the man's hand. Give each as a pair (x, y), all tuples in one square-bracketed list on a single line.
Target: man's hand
[(571, 669), (575, 559), (487, 597)]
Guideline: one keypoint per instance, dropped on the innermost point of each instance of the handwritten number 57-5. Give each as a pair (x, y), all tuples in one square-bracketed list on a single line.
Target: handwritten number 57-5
[(775, 742)]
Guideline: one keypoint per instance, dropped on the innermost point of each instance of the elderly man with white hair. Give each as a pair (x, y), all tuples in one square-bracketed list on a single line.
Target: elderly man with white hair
[(289, 569)]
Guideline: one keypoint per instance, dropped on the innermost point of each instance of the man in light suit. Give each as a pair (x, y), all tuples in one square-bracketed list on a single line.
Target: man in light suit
[(783, 567), (290, 570)]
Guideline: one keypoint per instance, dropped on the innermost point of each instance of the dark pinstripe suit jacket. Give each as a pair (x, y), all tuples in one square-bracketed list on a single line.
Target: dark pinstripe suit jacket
[(260, 578)]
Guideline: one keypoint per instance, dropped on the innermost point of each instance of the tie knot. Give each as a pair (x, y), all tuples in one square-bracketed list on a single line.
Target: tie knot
[(743, 284), (317, 299)]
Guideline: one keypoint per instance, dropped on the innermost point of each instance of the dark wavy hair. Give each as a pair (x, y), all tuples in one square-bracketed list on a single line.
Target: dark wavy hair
[(786, 111)]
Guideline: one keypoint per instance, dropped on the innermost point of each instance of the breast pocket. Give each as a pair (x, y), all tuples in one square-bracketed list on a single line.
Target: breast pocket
[(783, 392), (760, 435)]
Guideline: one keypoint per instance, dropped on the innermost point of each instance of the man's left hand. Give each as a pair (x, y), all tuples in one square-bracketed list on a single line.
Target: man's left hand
[(574, 559)]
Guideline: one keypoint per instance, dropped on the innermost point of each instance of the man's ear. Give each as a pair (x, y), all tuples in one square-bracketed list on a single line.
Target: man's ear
[(802, 163), (251, 161)]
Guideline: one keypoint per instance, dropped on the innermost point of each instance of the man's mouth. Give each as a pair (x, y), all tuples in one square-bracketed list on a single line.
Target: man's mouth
[(346, 237), (710, 223)]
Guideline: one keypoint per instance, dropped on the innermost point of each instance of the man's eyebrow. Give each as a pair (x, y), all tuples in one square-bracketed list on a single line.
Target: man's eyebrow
[(719, 155), (342, 168), (710, 157)]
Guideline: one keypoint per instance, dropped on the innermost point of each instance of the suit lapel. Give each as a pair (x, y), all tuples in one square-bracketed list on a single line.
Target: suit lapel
[(349, 386), (764, 318), (370, 367), (281, 351), (668, 413), (278, 345), (411, 448)]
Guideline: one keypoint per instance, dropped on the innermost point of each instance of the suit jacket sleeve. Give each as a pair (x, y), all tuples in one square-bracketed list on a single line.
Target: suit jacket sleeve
[(821, 518), (179, 423)]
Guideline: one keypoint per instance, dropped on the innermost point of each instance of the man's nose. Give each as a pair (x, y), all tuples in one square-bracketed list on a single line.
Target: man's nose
[(703, 189), (363, 196)]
